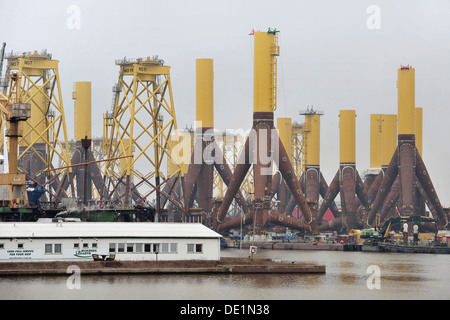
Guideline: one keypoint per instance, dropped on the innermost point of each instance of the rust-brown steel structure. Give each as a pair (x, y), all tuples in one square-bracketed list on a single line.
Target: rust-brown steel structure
[(207, 155), (261, 149), (406, 179), (347, 181), (312, 180), (384, 129)]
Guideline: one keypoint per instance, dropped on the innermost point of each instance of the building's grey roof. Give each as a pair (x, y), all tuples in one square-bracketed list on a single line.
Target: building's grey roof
[(105, 230)]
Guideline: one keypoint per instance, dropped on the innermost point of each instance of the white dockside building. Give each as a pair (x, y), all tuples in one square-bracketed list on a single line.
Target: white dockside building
[(59, 241)]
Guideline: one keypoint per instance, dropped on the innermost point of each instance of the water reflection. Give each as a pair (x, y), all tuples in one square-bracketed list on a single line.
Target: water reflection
[(404, 279), (346, 264), (348, 278), (403, 276)]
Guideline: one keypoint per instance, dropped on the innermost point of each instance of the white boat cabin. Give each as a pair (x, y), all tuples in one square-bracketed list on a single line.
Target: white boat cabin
[(61, 241)]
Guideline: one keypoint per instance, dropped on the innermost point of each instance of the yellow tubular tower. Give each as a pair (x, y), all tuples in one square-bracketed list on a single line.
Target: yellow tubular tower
[(375, 140), (406, 100), (312, 140), (265, 74), (284, 126), (173, 162), (347, 132), (419, 129), (82, 97), (389, 144), (205, 93)]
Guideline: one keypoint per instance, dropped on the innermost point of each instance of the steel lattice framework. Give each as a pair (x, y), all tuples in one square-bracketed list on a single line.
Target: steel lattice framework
[(298, 152), (137, 131), (33, 78)]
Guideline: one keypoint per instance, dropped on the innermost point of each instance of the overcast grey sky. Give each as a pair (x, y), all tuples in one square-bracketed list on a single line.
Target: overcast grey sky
[(330, 59)]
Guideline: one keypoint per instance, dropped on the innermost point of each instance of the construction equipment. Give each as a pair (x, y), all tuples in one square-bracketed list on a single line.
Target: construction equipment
[(383, 232)]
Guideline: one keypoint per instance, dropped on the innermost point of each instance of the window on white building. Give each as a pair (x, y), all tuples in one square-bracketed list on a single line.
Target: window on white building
[(146, 247), (51, 248), (195, 248), (130, 247), (48, 248), (58, 248)]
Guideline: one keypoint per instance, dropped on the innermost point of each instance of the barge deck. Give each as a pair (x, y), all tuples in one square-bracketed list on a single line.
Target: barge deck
[(224, 265)]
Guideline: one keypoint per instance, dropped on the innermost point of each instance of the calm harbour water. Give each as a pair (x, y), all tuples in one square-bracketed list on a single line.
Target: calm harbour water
[(403, 276)]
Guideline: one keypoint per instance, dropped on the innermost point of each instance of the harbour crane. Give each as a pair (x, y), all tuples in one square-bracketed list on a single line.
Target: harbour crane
[(13, 184)]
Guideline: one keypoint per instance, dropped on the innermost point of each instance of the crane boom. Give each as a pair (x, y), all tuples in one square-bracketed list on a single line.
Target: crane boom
[(2, 56)]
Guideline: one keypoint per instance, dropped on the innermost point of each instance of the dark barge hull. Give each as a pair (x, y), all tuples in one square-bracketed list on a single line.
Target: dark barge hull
[(389, 247)]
